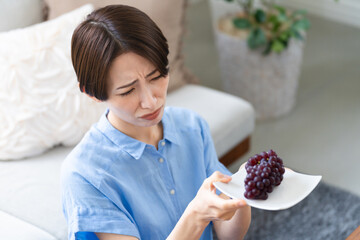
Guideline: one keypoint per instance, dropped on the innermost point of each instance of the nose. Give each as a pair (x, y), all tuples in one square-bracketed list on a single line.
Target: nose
[(147, 98)]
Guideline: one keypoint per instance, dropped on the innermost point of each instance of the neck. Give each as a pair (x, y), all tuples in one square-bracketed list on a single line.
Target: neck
[(150, 135)]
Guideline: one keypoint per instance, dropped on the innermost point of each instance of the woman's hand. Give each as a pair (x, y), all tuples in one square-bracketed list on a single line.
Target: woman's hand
[(208, 206)]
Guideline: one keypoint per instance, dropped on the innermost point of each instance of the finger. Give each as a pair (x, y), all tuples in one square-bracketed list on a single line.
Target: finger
[(223, 180), (229, 204), (235, 204), (223, 196), (217, 177)]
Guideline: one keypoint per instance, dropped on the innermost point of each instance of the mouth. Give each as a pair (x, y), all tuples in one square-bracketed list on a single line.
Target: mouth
[(153, 115)]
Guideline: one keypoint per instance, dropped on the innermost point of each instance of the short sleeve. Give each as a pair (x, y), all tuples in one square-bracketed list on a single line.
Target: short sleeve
[(87, 210), (211, 160)]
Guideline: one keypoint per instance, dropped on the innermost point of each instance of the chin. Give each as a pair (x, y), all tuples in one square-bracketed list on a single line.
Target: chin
[(150, 123)]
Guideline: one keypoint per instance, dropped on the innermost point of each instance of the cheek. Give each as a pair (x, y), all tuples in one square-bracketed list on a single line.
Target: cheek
[(123, 106)]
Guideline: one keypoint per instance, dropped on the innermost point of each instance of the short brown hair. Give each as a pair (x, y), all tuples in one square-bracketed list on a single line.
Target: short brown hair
[(107, 33)]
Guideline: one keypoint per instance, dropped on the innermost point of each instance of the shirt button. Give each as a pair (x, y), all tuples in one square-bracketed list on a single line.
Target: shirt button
[(163, 143), (161, 160), (172, 191)]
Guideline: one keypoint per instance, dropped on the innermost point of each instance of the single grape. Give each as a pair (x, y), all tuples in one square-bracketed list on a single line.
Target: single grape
[(266, 182), (260, 185)]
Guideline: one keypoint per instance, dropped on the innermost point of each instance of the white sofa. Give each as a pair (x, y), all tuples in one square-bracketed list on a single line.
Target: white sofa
[(30, 206)]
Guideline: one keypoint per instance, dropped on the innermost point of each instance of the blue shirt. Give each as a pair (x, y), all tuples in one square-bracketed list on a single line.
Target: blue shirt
[(116, 184)]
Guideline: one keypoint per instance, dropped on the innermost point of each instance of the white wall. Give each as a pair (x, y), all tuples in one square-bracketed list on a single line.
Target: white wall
[(345, 11)]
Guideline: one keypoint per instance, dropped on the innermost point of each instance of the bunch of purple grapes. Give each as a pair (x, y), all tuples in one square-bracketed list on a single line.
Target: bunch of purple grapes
[(264, 172)]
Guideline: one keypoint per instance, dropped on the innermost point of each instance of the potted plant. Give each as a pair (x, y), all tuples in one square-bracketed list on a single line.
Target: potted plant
[(260, 46)]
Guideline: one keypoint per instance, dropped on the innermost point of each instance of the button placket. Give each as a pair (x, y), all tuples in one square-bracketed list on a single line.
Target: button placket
[(165, 170), (168, 179)]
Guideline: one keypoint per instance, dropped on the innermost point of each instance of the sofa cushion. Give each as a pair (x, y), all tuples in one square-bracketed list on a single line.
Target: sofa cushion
[(27, 231), (231, 119), (30, 191), (169, 16), (40, 102)]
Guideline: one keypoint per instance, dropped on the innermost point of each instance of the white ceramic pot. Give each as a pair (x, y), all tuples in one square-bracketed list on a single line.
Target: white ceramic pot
[(268, 82)]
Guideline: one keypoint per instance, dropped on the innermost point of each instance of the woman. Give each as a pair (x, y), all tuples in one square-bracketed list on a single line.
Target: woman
[(143, 171)]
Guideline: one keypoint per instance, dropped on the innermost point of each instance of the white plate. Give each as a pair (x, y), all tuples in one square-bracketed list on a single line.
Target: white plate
[(294, 188)]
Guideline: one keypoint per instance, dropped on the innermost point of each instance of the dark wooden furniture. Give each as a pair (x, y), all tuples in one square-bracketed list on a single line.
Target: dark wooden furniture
[(238, 151)]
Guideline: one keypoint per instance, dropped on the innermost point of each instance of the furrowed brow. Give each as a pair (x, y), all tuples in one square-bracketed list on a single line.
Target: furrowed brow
[(127, 85), (133, 82), (154, 71)]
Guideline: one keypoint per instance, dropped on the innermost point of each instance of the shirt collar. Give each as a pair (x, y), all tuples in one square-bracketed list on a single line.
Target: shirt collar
[(130, 145), (170, 133)]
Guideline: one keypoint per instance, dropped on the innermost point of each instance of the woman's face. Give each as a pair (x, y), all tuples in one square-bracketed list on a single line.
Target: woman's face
[(136, 91)]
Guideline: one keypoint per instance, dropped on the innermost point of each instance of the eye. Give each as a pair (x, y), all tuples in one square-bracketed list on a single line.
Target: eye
[(156, 78), (127, 93)]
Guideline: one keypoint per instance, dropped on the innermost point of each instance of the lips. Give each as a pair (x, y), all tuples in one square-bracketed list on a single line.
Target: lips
[(152, 115)]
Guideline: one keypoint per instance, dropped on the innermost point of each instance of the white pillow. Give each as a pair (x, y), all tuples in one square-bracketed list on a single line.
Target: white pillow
[(40, 102)]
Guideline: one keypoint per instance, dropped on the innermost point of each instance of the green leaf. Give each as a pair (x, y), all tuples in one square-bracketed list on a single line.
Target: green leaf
[(302, 24), (276, 27), (296, 34), (281, 9), (260, 16), (277, 46), (284, 36), (274, 20), (256, 38), (242, 23), (281, 17)]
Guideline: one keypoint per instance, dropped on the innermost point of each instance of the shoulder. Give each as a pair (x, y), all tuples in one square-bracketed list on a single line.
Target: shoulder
[(92, 155)]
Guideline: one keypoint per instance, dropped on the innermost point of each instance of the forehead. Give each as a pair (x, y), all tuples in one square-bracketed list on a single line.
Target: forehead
[(129, 65)]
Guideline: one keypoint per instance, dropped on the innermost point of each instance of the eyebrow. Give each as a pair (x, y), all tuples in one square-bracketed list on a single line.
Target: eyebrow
[(133, 82)]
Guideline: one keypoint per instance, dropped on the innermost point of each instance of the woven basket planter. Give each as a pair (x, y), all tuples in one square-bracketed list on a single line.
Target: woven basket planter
[(268, 82)]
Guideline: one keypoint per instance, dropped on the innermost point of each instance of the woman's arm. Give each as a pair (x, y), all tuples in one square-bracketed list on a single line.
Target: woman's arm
[(112, 236), (236, 227)]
